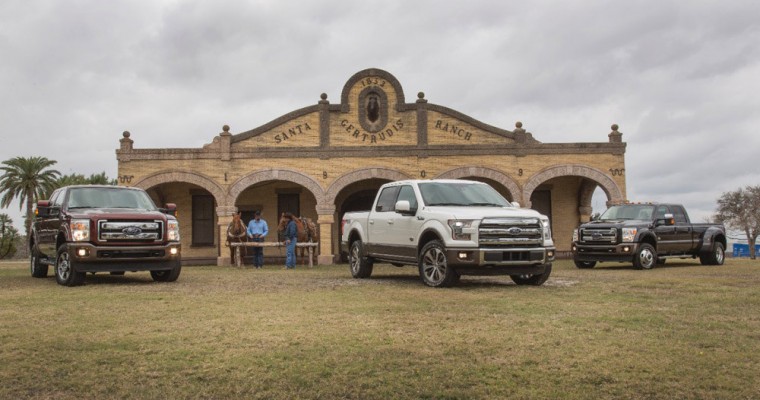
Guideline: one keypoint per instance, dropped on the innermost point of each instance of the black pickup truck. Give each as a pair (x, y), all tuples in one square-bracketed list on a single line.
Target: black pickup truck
[(647, 234), (89, 228)]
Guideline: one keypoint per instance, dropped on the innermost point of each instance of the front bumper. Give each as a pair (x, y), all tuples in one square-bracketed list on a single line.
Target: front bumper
[(87, 257), (494, 261), (620, 252)]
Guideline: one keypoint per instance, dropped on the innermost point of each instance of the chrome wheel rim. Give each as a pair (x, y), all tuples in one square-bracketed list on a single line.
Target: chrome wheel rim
[(434, 266), (719, 254), (647, 258), (63, 266), (354, 259)]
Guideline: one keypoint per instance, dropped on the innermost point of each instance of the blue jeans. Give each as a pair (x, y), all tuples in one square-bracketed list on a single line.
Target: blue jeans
[(290, 254), (258, 253)]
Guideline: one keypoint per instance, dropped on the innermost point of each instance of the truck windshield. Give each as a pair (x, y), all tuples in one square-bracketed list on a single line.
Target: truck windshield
[(100, 197), (461, 194), (628, 211)]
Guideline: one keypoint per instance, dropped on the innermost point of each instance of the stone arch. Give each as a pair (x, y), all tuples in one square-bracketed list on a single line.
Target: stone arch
[(275, 175), (489, 173), (195, 178), (366, 173), (611, 189)]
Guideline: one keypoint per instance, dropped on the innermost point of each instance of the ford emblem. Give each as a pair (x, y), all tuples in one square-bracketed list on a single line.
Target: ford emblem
[(596, 236), (132, 230), (514, 231)]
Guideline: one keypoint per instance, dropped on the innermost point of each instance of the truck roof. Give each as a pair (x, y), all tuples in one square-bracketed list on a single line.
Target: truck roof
[(407, 181)]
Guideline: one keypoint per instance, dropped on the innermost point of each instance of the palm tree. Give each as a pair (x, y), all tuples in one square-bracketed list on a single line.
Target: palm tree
[(27, 179)]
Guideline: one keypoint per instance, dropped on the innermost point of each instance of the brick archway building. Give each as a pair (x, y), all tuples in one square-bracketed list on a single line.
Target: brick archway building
[(323, 160)]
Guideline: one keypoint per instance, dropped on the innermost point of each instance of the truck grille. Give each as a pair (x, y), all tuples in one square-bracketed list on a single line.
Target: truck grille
[(598, 235), (130, 231), (510, 232)]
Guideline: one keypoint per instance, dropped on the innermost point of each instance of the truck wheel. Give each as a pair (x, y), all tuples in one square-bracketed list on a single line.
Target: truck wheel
[(715, 257), (646, 257), (169, 275), (535, 280), (65, 274), (38, 269), (434, 267), (361, 267), (585, 264)]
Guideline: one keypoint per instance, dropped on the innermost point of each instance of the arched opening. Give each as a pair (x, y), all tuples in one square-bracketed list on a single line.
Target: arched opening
[(196, 212), (272, 198), (357, 196)]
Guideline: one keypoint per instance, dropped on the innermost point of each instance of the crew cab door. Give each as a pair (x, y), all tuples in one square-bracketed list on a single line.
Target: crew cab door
[(380, 220), (48, 224), (684, 236), (405, 226), (667, 239)]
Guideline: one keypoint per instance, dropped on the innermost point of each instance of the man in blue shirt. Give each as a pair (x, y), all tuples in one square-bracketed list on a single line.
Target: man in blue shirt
[(257, 231)]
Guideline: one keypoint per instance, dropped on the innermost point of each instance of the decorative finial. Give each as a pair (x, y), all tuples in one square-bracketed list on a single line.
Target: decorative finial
[(421, 95), (323, 96), (614, 127), (126, 134), (518, 124), (226, 128)]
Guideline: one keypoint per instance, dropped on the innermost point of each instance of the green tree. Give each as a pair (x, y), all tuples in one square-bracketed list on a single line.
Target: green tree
[(79, 179), (8, 236), (740, 209), (27, 179)]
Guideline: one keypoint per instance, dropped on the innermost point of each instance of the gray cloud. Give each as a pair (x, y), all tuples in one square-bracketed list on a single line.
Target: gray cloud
[(680, 79)]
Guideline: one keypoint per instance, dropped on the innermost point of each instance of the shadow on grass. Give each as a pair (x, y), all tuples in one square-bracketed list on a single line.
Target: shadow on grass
[(624, 266)]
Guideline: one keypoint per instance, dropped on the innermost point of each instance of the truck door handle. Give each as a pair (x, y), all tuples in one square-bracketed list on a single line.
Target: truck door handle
[(390, 222), (372, 222)]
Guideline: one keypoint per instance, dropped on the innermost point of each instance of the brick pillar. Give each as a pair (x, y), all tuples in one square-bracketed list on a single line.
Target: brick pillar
[(585, 214), (325, 219), (224, 217)]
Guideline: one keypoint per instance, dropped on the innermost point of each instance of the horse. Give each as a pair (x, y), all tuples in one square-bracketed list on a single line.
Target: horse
[(306, 228), (236, 233)]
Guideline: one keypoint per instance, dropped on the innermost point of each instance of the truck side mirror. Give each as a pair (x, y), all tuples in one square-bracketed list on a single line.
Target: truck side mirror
[(170, 209), (404, 208), (666, 219), (516, 204)]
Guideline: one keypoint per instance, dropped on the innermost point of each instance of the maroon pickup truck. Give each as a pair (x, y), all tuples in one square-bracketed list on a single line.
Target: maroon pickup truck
[(89, 228)]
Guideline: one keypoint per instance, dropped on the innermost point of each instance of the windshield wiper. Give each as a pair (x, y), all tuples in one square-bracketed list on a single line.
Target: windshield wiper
[(446, 204), (74, 208), (487, 204)]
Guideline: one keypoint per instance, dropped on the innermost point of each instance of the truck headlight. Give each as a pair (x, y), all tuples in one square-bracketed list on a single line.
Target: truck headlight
[(80, 230), (629, 234), (547, 229), (457, 226), (172, 230), (575, 235)]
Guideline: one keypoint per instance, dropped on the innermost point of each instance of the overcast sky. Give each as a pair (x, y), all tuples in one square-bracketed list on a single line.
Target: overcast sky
[(681, 78)]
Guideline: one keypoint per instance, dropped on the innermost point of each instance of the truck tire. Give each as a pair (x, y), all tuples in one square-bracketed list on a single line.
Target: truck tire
[(714, 257), (645, 257), (167, 275), (434, 267), (65, 273), (38, 269), (585, 264), (361, 267), (535, 280)]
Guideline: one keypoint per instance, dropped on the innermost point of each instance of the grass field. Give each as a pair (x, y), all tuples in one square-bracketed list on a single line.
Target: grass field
[(680, 331)]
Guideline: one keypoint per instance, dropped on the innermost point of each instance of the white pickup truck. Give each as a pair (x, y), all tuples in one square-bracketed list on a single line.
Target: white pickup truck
[(449, 228)]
